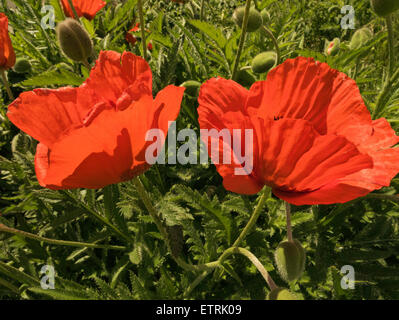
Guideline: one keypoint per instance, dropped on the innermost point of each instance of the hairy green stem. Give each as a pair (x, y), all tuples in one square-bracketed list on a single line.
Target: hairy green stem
[(73, 10), (289, 227), (387, 197), (142, 28), (28, 235), (255, 262), (391, 46), (202, 10), (9, 286), (271, 35), (6, 84), (265, 193), (242, 39)]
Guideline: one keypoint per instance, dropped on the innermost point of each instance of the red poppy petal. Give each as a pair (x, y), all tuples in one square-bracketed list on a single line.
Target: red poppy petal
[(47, 114), (293, 156), (329, 194), (165, 109), (221, 103), (167, 106), (96, 155), (386, 167), (115, 74), (382, 136), (304, 89), (84, 8), (7, 54)]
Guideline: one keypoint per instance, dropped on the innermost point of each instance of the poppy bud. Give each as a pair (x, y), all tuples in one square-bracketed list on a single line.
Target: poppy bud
[(290, 260), (74, 40), (192, 87), (360, 37), (22, 66), (333, 47), (281, 294), (265, 16), (245, 78), (264, 61), (384, 7), (254, 18)]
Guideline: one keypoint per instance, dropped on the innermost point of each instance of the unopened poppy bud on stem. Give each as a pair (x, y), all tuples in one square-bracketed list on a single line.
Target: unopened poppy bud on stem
[(265, 16), (264, 61), (192, 87), (254, 18), (333, 47), (290, 259), (74, 40), (360, 38), (22, 66), (384, 7)]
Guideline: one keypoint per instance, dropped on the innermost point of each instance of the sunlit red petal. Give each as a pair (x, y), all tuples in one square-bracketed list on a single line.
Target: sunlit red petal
[(7, 54), (84, 8)]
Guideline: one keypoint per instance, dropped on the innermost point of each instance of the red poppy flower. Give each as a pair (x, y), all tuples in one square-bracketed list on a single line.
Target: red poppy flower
[(84, 8), (7, 54), (132, 39), (94, 135), (314, 141)]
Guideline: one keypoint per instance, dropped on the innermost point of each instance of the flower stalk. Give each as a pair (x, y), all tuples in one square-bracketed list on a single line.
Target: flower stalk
[(73, 10), (28, 235), (142, 29), (6, 84), (242, 40), (273, 38), (289, 227)]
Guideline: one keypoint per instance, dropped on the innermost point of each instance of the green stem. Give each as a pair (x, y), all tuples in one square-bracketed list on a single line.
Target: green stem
[(242, 39), (73, 10), (10, 286), (142, 28), (202, 10), (195, 283), (391, 46), (255, 215), (387, 197), (289, 227), (28, 235), (6, 84), (271, 35)]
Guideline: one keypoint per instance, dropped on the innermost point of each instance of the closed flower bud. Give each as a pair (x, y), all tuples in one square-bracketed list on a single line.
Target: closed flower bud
[(281, 294), (384, 7), (290, 260), (265, 16), (254, 18), (22, 66), (360, 37), (245, 78), (333, 47), (264, 61), (192, 87), (74, 40)]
